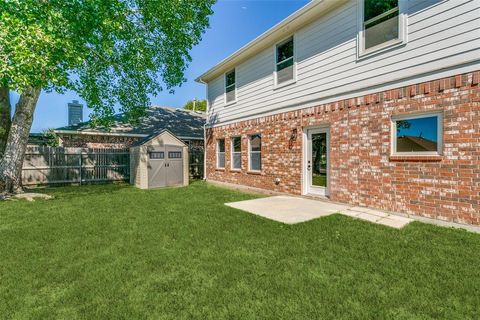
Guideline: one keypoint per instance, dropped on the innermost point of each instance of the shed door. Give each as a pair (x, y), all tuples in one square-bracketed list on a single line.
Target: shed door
[(157, 168), (174, 165)]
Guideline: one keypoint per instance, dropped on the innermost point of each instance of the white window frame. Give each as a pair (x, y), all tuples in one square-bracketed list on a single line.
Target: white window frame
[(250, 153), (233, 152), (225, 87), (276, 85), (218, 153), (402, 31), (156, 159), (396, 118)]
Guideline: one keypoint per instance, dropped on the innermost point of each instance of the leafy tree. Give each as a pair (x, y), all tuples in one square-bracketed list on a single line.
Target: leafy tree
[(108, 51), (51, 138), (200, 105)]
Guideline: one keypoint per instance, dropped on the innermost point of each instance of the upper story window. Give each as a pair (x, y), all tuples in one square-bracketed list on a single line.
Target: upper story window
[(382, 26), (221, 153), (230, 87), (285, 61), (417, 135)]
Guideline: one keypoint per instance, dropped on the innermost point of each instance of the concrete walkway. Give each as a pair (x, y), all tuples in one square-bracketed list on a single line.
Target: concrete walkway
[(291, 210)]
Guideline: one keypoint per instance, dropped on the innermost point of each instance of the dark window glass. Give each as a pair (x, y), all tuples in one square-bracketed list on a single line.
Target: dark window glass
[(157, 155), (174, 154), (284, 52), (237, 144), (374, 8), (381, 22), (221, 145), (417, 135)]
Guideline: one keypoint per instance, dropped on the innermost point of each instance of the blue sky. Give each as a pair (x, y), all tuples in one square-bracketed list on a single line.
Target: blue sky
[(233, 25)]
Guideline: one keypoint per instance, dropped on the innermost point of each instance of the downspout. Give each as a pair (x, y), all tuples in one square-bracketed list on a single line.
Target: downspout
[(205, 133)]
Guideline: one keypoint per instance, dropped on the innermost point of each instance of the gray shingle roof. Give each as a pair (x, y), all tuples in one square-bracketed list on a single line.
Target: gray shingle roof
[(182, 123)]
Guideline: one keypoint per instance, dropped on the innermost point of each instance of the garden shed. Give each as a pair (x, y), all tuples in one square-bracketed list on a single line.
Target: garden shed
[(160, 160)]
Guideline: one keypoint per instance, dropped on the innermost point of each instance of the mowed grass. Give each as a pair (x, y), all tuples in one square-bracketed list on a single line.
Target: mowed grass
[(116, 252)]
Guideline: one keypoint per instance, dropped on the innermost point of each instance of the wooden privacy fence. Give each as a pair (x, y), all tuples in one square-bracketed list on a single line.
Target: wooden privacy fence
[(49, 165), (195, 161)]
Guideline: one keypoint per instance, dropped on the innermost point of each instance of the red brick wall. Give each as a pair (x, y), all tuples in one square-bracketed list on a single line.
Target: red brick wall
[(362, 171)]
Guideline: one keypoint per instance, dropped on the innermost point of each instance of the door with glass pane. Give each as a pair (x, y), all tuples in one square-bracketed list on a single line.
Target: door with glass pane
[(317, 161)]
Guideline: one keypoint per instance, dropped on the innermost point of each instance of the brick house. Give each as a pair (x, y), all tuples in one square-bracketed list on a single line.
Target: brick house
[(185, 124), (376, 106)]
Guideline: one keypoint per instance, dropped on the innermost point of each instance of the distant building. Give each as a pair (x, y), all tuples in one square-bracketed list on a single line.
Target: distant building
[(75, 113)]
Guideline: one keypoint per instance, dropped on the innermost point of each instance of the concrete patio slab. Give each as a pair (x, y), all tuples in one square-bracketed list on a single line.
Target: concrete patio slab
[(291, 210)]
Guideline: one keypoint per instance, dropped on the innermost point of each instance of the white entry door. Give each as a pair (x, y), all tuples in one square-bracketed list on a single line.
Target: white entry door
[(317, 161)]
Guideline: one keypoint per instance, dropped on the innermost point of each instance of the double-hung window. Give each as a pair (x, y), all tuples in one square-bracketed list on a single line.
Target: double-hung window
[(255, 153), (236, 153), (230, 87), (221, 153), (285, 62), (383, 24), (417, 134)]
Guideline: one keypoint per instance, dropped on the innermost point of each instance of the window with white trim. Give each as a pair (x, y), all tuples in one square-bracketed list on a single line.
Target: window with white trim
[(221, 153), (382, 24), (230, 87), (236, 153), (417, 134), (285, 61), (255, 152)]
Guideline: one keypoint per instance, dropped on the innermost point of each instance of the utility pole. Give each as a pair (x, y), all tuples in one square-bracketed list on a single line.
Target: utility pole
[(194, 103)]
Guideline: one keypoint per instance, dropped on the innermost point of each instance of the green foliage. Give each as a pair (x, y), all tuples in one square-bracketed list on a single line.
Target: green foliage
[(200, 105), (51, 138), (374, 8), (117, 252), (108, 51)]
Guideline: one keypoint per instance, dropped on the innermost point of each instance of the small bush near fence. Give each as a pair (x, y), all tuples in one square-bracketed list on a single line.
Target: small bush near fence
[(58, 165)]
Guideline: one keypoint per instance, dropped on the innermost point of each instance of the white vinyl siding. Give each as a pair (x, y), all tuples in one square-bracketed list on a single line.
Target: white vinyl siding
[(443, 39)]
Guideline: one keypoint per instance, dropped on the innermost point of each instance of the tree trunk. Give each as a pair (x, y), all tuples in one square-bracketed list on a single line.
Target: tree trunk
[(12, 160), (5, 114)]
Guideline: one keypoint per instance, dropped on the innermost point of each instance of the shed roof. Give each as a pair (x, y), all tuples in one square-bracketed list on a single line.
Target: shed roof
[(154, 135), (184, 124)]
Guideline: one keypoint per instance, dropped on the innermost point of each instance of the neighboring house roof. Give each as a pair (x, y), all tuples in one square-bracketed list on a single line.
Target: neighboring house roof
[(411, 143), (182, 123), (152, 136), (307, 14)]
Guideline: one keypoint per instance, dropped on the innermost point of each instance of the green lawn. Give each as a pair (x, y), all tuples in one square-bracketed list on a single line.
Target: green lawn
[(116, 252)]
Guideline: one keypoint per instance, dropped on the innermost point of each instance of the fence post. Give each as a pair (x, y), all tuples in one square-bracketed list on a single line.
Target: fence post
[(81, 165)]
